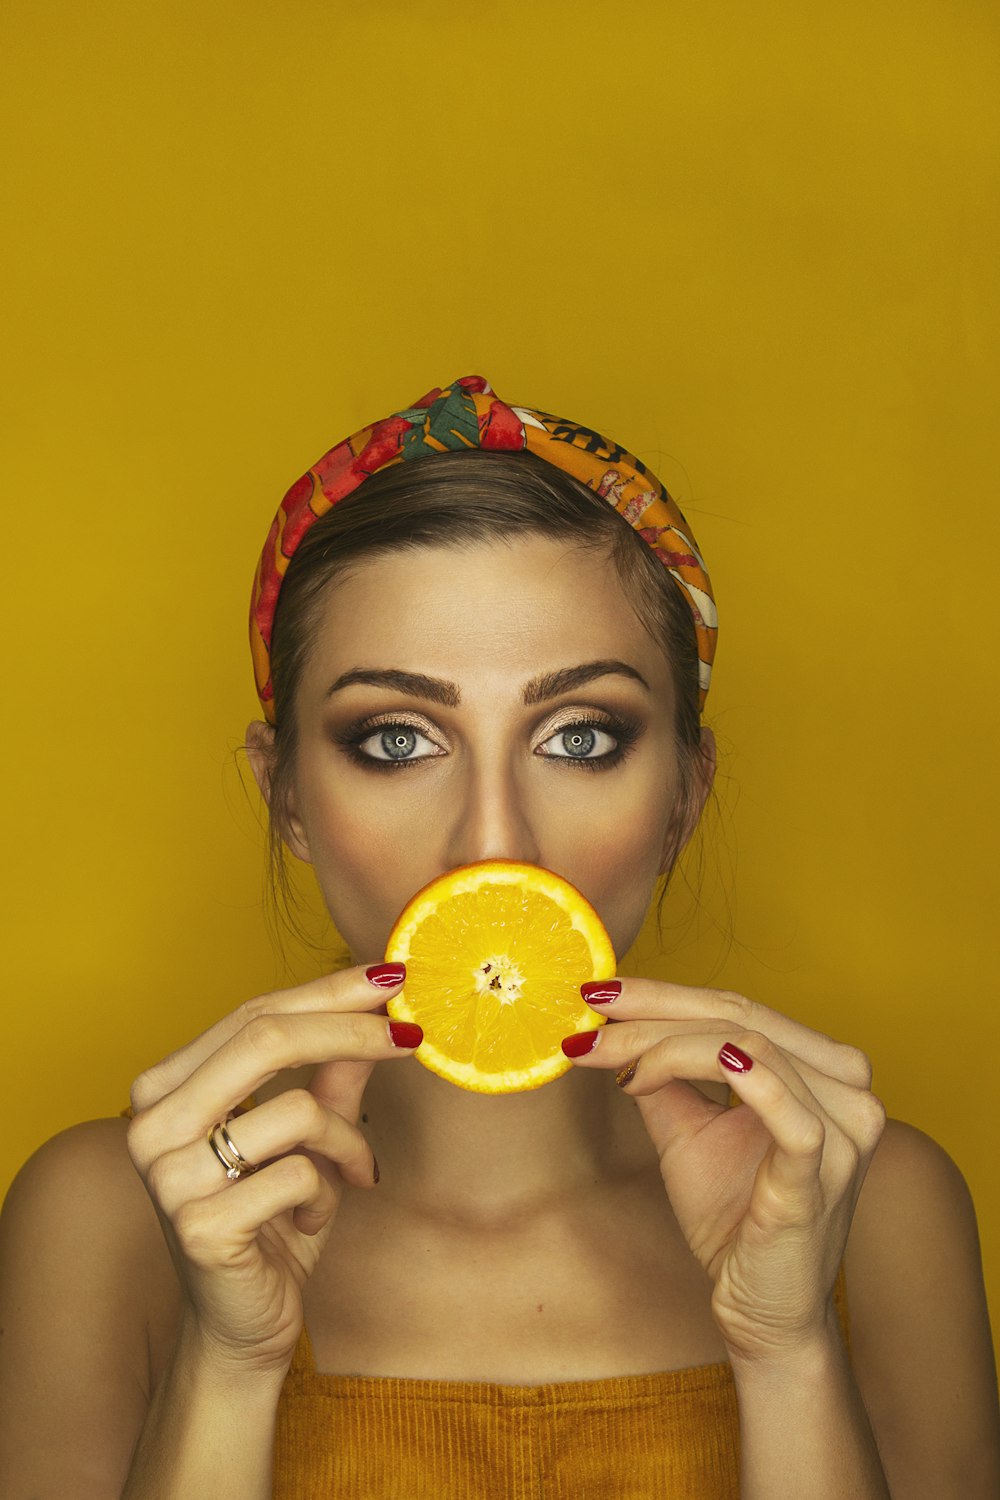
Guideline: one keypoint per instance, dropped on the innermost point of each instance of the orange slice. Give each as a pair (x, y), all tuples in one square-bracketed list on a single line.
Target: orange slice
[(495, 954)]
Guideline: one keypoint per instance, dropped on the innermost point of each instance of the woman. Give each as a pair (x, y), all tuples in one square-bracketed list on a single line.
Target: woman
[(625, 1283)]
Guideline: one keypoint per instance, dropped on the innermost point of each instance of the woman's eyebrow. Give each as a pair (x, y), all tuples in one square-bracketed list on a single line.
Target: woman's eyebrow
[(549, 685), (413, 683)]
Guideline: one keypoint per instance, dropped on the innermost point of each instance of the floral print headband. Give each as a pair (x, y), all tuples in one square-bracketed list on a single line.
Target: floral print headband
[(467, 414)]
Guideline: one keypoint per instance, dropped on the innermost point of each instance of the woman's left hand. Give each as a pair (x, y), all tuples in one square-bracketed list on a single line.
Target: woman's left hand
[(764, 1193)]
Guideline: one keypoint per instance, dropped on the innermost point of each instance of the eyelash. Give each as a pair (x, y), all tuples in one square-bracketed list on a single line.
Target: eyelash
[(625, 730)]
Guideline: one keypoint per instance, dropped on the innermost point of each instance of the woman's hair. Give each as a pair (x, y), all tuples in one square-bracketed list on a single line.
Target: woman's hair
[(449, 500)]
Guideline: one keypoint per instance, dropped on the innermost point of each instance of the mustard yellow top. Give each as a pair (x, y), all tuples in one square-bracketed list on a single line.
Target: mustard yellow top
[(631, 1437)]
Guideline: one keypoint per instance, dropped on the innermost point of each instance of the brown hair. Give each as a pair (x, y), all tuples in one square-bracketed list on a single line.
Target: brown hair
[(455, 498)]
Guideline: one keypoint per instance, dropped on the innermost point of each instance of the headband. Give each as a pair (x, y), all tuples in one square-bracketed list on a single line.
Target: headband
[(467, 414)]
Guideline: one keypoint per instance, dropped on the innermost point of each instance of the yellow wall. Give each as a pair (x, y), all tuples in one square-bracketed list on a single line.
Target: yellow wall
[(753, 242)]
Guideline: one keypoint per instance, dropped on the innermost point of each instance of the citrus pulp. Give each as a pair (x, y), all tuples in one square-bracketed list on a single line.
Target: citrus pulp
[(495, 954)]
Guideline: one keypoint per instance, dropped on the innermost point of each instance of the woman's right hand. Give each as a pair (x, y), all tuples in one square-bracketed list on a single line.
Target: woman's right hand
[(244, 1250)]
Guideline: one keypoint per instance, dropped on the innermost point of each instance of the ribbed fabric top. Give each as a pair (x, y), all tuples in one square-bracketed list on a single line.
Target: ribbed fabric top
[(674, 1434)]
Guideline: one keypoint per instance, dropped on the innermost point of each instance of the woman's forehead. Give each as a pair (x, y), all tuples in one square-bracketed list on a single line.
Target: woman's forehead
[(497, 608)]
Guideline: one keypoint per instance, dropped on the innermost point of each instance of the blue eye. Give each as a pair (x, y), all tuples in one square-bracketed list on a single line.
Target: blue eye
[(579, 742), (395, 742)]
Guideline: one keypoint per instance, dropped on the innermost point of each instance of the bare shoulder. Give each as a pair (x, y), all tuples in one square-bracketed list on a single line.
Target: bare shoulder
[(70, 1166), (915, 1207), (920, 1334), (78, 1230), (907, 1161), (84, 1274)]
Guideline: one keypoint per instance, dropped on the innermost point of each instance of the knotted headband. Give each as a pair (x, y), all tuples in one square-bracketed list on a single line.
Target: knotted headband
[(467, 414)]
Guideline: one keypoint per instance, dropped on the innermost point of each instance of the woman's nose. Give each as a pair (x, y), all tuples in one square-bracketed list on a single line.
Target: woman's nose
[(490, 820)]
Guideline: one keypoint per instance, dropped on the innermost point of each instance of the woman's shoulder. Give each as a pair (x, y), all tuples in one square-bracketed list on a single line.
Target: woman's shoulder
[(905, 1148), (920, 1333), (81, 1248), (82, 1288), (65, 1170), (76, 1171), (81, 1184), (911, 1178), (914, 1213)]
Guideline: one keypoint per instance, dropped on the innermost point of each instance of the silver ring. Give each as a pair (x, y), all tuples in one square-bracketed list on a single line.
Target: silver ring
[(232, 1159)]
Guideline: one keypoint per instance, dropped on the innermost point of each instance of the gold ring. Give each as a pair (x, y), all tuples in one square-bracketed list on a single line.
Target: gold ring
[(232, 1159)]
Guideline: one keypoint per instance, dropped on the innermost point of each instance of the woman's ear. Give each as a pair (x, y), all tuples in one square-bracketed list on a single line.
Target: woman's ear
[(688, 814), (709, 765), (260, 753)]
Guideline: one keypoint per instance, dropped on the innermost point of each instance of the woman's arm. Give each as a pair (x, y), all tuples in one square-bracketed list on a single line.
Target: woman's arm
[(209, 1431), (804, 1430), (918, 1398), (81, 1252), (920, 1335)]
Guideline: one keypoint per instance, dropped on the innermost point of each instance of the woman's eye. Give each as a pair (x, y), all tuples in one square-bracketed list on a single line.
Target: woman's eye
[(397, 742), (580, 742)]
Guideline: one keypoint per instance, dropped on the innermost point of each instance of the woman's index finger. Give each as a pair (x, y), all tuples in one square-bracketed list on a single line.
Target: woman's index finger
[(659, 999), (344, 990)]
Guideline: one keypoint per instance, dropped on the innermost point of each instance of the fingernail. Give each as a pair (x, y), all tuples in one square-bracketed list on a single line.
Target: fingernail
[(386, 976), (601, 991), (580, 1043), (626, 1075), (405, 1033), (734, 1059), (375, 1171)]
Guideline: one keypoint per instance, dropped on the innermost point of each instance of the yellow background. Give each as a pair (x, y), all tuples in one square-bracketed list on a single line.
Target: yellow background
[(755, 243)]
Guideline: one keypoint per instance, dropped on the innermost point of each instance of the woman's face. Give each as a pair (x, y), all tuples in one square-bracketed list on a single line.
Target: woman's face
[(491, 701)]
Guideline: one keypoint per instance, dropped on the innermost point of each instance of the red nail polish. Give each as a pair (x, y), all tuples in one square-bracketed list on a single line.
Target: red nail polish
[(375, 1171), (735, 1059), (580, 1043), (386, 976), (601, 991), (405, 1034)]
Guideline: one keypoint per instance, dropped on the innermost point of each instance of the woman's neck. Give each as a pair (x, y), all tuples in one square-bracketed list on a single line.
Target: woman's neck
[(481, 1159), (484, 1158)]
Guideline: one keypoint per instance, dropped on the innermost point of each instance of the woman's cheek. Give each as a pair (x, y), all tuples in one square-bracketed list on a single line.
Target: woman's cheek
[(615, 864), (358, 862), (621, 896)]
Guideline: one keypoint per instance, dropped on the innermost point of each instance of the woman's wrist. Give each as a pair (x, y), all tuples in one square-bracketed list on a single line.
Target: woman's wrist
[(206, 1364), (804, 1429), (209, 1429), (770, 1358)]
